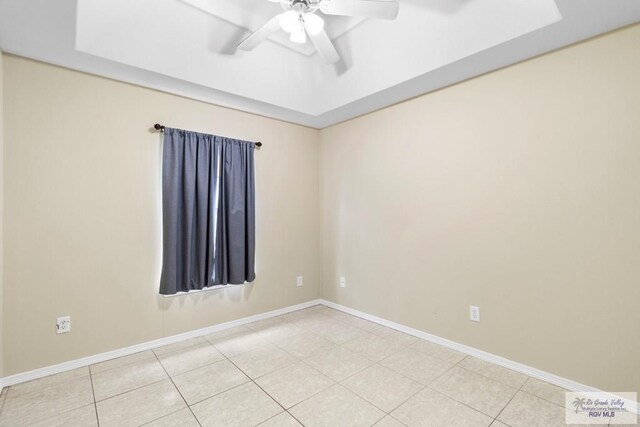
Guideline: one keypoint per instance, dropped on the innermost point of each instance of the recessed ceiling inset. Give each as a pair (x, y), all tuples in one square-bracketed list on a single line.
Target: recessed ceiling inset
[(189, 47), (175, 39)]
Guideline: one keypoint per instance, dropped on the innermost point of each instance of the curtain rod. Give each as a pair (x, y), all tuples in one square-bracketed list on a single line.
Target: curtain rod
[(160, 127)]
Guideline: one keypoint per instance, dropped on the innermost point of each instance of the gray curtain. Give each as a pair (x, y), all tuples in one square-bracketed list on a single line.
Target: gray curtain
[(208, 211)]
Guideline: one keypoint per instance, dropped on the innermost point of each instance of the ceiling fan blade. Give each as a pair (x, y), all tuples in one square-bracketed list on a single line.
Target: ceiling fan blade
[(366, 8), (323, 45), (261, 34)]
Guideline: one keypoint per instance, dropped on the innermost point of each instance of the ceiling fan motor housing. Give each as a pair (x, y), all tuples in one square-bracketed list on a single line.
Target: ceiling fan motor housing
[(301, 6)]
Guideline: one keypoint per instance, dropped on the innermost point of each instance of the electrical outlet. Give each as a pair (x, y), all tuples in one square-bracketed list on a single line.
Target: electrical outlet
[(299, 281), (474, 313), (343, 282), (63, 324)]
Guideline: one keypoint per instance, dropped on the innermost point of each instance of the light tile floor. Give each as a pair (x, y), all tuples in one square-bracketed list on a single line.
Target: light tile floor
[(313, 367)]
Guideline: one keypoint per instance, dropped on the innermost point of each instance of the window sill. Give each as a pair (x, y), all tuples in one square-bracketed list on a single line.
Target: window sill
[(210, 288)]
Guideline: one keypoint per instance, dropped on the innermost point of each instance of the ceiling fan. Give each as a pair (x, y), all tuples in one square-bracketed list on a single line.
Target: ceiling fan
[(300, 19)]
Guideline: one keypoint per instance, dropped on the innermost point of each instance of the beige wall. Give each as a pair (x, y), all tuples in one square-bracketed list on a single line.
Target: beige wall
[(518, 191), (82, 215)]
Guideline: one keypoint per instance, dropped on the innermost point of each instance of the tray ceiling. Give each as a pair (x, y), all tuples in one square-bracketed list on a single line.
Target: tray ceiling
[(188, 47)]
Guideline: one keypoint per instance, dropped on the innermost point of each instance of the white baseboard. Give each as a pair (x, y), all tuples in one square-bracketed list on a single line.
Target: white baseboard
[(90, 360), (480, 354)]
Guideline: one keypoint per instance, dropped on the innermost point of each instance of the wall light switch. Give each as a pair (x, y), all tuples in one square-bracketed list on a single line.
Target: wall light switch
[(474, 313), (63, 324), (343, 282), (299, 281)]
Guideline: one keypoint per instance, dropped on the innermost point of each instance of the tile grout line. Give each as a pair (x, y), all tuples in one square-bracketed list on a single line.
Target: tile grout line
[(221, 392), (422, 387), (155, 358), (456, 400), (316, 393), (166, 415), (4, 397), (334, 382), (374, 363), (66, 411), (225, 358), (406, 400), (133, 389), (461, 403), (491, 378), (484, 376), (409, 347), (468, 406), (392, 417), (512, 397), (294, 417), (399, 373), (257, 385), (121, 366), (178, 390), (543, 398), (271, 397), (302, 360), (152, 357), (270, 418), (448, 369), (93, 392), (340, 383)]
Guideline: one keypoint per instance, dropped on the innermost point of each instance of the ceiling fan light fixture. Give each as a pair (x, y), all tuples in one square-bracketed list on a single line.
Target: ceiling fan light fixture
[(300, 21), (314, 23), (290, 21), (299, 35)]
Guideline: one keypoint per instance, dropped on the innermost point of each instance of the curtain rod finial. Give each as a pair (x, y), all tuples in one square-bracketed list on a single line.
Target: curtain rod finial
[(158, 126)]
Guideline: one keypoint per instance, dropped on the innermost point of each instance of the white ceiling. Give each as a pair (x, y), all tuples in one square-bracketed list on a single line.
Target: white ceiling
[(187, 47)]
